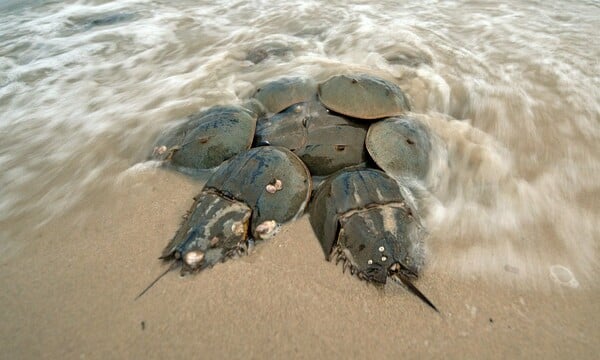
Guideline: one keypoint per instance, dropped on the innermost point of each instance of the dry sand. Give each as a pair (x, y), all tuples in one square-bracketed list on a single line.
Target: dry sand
[(70, 294)]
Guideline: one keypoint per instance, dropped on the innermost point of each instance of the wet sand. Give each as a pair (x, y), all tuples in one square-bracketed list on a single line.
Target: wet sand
[(70, 294)]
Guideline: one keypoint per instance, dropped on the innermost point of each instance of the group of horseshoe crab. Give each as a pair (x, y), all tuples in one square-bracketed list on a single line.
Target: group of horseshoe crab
[(353, 134)]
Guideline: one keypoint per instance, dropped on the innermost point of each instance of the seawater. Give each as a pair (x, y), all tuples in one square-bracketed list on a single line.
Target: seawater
[(511, 88)]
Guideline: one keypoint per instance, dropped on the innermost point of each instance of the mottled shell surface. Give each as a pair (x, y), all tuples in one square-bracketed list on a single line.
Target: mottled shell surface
[(363, 96), (249, 195), (325, 142), (247, 177), (208, 138), (215, 226), (280, 94), (400, 146), (362, 214)]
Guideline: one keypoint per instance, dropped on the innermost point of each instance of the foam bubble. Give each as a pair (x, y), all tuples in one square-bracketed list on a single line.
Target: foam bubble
[(563, 276)]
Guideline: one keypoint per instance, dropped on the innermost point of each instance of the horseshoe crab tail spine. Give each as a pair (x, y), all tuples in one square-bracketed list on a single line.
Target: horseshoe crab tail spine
[(173, 266), (412, 288)]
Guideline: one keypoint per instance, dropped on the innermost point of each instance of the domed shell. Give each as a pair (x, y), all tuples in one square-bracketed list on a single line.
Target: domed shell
[(363, 96), (273, 181), (401, 146), (280, 94), (208, 138), (250, 194), (362, 210), (325, 142), (362, 218)]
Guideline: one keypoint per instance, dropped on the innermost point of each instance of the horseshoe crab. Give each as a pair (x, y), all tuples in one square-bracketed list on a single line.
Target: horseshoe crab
[(279, 94), (361, 218), (400, 146), (208, 138), (269, 49), (325, 142), (246, 199), (363, 96)]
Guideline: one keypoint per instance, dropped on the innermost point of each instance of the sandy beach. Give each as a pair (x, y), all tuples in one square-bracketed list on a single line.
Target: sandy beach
[(70, 294)]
